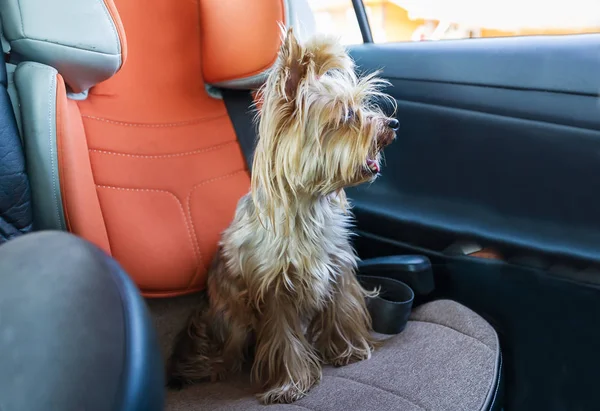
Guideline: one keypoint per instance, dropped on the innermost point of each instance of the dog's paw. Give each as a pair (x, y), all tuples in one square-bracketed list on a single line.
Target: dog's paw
[(351, 356), (176, 383), (282, 395), (288, 391)]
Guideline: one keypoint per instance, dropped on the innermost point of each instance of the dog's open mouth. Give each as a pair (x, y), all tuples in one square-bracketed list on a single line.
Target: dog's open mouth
[(373, 165)]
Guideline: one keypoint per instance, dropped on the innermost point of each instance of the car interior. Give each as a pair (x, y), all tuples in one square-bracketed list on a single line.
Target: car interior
[(125, 143)]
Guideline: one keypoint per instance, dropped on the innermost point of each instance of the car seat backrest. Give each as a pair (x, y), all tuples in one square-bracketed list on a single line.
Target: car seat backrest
[(44, 39), (15, 196), (144, 163)]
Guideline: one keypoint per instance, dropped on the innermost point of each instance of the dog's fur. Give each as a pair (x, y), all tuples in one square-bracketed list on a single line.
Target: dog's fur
[(283, 281)]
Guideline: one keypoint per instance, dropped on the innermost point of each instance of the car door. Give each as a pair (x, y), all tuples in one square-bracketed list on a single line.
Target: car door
[(495, 175)]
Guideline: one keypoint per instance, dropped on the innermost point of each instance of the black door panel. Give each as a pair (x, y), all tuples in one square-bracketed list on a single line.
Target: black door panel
[(499, 143), (493, 161), (498, 179), (567, 64), (576, 110)]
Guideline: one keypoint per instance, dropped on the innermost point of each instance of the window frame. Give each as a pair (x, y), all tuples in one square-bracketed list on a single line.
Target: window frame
[(363, 21), (360, 11)]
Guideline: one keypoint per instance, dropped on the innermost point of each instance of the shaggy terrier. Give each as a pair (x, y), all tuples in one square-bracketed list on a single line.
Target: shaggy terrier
[(283, 281)]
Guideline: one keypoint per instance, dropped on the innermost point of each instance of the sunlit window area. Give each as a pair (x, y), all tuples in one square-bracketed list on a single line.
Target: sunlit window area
[(421, 20)]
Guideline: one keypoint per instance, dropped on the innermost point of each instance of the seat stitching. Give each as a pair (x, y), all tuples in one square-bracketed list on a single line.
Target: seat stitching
[(152, 190), (189, 208), (52, 94), (60, 160), (379, 388), (152, 156), (57, 43), (154, 125), (455, 330)]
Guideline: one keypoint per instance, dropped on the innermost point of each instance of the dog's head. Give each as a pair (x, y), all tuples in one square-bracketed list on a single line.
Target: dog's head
[(320, 127)]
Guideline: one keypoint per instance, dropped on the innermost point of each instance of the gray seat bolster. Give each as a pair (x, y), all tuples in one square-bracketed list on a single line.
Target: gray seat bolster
[(36, 89)]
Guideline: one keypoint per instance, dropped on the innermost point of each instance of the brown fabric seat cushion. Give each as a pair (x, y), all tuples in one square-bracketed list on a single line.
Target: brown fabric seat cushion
[(446, 359)]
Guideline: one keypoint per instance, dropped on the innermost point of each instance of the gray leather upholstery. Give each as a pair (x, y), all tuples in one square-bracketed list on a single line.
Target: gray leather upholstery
[(74, 332), (14, 96), (77, 37), (53, 313), (36, 89)]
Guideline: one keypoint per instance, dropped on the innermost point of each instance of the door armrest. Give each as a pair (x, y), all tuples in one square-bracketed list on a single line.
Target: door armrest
[(414, 270)]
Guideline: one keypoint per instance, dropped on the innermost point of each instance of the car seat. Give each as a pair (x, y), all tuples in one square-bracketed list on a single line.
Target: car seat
[(130, 146), (76, 334)]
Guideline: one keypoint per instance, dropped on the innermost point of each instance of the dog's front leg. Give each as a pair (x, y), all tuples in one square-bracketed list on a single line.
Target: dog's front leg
[(342, 331), (285, 364)]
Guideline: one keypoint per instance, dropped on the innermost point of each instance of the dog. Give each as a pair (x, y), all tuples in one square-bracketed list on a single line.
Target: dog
[(283, 280)]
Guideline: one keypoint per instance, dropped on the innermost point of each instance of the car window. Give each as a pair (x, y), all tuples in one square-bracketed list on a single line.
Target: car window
[(336, 17), (423, 20)]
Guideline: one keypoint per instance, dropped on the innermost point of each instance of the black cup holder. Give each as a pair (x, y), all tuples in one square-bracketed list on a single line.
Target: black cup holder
[(399, 278), (391, 308)]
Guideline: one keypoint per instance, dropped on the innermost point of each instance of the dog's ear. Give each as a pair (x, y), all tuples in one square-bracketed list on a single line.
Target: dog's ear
[(328, 53), (295, 62)]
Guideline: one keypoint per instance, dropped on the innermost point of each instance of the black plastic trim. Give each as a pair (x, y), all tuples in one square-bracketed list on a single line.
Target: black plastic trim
[(414, 270), (363, 21), (495, 402), (543, 63)]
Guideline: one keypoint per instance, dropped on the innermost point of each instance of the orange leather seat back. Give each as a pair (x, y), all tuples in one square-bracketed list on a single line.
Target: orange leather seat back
[(148, 162), (164, 156)]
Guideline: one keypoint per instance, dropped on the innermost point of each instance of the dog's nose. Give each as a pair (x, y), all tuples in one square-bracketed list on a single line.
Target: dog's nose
[(394, 124)]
